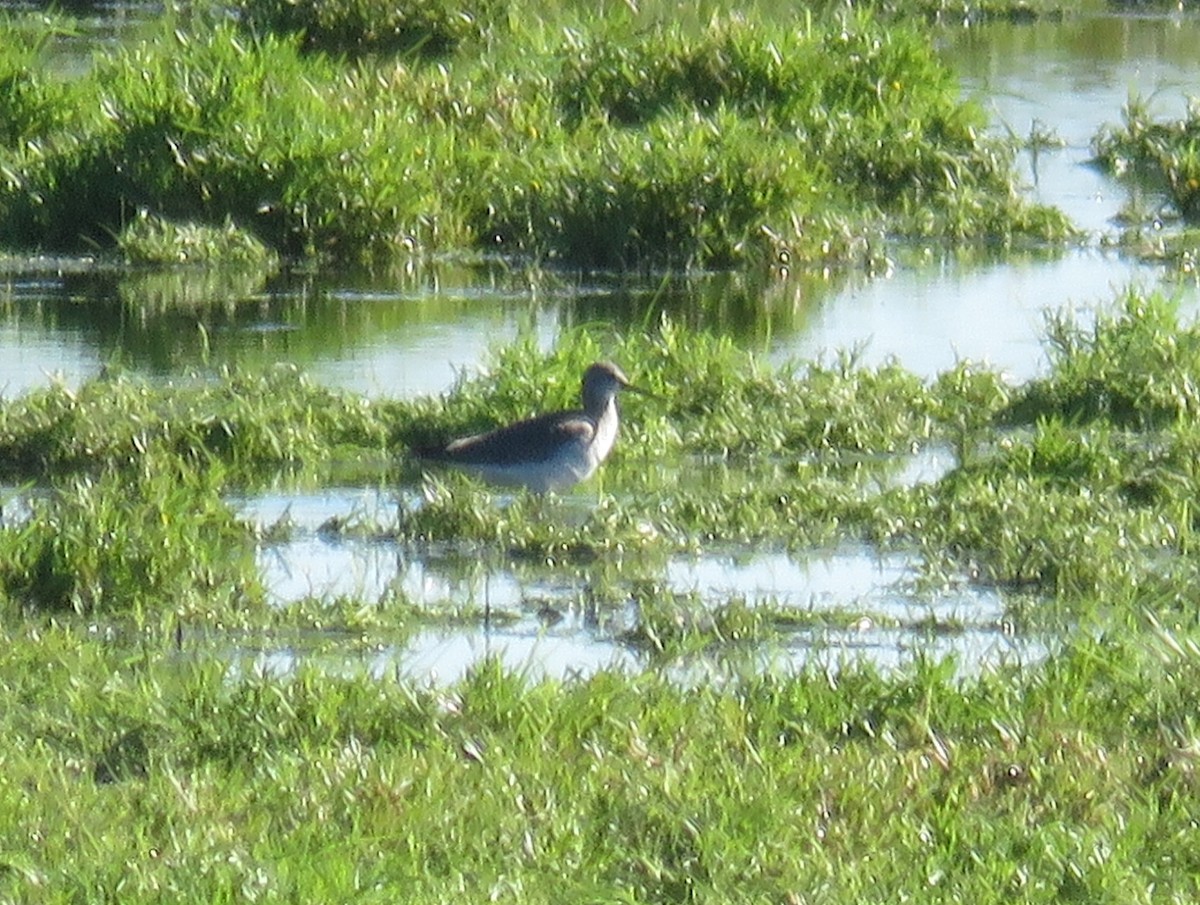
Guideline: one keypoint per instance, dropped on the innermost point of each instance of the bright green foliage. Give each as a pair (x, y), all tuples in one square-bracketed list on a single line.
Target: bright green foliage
[(140, 763), (753, 142), (1052, 513), (713, 397), (1165, 153), (1184, 177), (248, 422), (208, 128), (31, 103), (607, 144), (696, 190), (137, 539), (1097, 496), (1138, 367), (147, 777)]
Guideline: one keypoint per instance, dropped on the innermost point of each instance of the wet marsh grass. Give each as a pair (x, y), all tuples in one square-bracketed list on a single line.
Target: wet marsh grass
[(148, 241), (249, 422), (1104, 442), (137, 770), (139, 764), (131, 540), (152, 776), (1162, 153), (611, 142)]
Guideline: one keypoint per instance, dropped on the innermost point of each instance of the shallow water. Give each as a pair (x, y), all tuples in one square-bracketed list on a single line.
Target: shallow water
[(443, 656), (845, 603), (411, 331), (1071, 78)]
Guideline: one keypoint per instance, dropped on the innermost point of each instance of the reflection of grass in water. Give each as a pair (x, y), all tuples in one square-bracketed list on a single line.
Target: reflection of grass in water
[(170, 291)]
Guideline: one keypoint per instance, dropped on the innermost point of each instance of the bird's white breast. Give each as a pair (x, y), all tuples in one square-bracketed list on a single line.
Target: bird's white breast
[(604, 438)]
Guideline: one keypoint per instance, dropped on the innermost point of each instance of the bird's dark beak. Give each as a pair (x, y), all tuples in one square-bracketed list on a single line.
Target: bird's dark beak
[(630, 388)]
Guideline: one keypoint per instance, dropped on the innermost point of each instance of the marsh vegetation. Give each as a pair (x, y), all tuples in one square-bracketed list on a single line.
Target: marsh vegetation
[(177, 728), (603, 141), (127, 552)]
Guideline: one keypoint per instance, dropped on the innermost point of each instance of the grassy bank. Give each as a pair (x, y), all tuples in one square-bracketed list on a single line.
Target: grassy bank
[(147, 777), (591, 141)]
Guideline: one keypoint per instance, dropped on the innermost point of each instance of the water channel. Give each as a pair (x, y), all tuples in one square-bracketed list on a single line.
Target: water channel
[(412, 331)]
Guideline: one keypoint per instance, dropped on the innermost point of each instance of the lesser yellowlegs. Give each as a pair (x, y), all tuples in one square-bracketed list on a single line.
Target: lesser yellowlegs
[(549, 452)]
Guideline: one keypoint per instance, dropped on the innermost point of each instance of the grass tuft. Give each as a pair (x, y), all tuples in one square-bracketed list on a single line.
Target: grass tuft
[(601, 145), (131, 540), (1138, 367), (1166, 155), (150, 240)]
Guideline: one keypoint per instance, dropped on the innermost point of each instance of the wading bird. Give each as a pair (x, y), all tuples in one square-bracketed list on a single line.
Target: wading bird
[(549, 452)]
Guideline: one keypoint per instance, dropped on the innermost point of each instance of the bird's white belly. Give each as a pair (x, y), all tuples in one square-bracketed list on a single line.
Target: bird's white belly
[(566, 468), (571, 463)]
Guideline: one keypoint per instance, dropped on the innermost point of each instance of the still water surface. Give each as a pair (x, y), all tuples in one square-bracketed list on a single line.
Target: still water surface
[(409, 331), (412, 331)]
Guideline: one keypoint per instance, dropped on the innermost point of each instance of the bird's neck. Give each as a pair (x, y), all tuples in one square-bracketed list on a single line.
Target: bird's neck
[(606, 429), (601, 408)]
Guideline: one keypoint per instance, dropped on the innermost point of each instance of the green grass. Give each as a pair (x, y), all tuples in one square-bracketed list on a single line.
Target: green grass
[(32, 103), (138, 540), (1165, 154), (152, 241), (147, 758), (432, 29), (1136, 367), (1078, 484), (148, 776), (144, 758), (596, 142), (277, 418), (1161, 159)]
